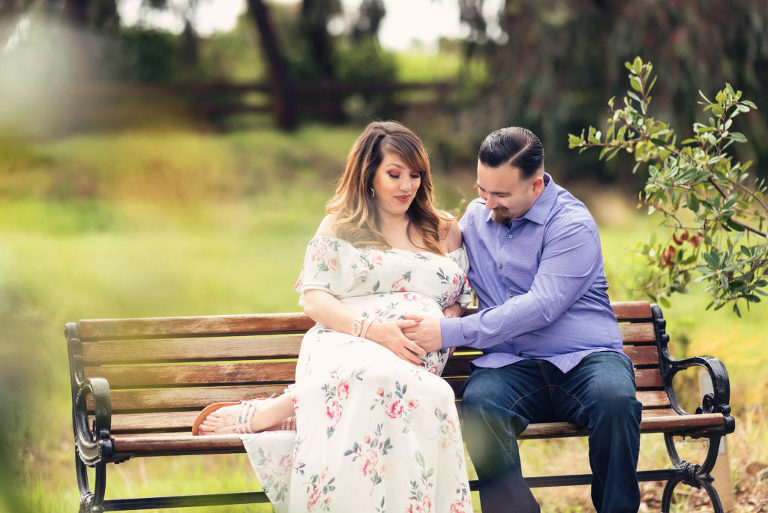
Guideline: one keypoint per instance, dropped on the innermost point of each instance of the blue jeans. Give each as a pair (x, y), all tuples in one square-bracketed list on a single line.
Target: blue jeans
[(599, 394)]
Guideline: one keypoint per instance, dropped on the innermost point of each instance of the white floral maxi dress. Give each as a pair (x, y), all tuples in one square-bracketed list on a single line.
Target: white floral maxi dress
[(374, 433)]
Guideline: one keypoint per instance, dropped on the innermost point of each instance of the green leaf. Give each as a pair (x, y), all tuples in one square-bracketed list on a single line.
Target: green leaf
[(738, 137), (634, 96), (636, 84), (665, 302), (734, 226), (612, 154), (711, 259), (693, 202), (574, 141), (650, 86)]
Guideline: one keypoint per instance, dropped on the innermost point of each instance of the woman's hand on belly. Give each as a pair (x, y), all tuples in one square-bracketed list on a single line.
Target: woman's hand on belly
[(390, 335)]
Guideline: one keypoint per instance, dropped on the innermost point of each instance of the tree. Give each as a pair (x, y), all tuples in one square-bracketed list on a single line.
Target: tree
[(283, 100), (551, 64), (315, 15), (715, 212)]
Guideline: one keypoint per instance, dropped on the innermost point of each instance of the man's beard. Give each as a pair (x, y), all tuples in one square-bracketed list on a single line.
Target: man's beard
[(501, 216)]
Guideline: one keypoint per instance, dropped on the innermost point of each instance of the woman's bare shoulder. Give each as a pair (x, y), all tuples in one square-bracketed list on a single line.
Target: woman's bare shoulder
[(450, 234), (326, 227)]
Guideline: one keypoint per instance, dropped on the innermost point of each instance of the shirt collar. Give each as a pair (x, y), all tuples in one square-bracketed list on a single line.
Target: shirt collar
[(539, 212)]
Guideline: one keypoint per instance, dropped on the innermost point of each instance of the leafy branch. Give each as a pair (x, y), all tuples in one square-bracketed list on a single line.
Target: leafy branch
[(715, 211)]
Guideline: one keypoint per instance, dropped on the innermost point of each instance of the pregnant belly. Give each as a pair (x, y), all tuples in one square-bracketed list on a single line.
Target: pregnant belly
[(393, 305)]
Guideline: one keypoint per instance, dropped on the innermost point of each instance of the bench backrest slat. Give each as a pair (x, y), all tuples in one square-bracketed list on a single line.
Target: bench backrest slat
[(190, 350), (210, 325)]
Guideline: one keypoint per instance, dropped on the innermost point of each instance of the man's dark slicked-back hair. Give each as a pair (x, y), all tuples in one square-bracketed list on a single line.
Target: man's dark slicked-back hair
[(515, 146)]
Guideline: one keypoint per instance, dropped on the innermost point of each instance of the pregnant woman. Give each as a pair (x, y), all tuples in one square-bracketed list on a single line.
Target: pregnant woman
[(376, 428)]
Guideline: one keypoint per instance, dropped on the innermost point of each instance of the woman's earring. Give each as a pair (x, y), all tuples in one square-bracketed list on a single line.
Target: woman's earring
[(373, 193)]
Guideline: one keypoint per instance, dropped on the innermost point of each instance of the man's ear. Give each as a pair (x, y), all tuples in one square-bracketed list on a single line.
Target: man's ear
[(538, 184)]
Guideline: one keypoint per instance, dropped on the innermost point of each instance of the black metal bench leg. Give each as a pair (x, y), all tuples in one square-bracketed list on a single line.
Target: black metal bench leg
[(696, 476), (666, 498), (91, 502)]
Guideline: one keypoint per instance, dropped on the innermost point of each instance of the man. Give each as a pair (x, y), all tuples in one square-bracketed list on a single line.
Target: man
[(552, 347)]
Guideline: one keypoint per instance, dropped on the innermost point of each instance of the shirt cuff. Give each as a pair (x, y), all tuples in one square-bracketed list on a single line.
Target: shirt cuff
[(450, 331)]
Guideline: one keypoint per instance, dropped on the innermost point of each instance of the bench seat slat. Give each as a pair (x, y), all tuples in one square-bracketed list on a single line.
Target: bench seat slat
[(182, 420), (198, 397), (201, 349), (167, 443)]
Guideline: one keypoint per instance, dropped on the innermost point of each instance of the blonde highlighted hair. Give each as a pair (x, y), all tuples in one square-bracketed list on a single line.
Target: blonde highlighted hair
[(353, 205)]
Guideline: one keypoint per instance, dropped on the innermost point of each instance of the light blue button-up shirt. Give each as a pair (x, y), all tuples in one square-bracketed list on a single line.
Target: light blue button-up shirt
[(540, 283)]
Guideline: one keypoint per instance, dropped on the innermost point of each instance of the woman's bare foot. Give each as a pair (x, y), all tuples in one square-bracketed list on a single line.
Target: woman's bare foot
[(253, 416)]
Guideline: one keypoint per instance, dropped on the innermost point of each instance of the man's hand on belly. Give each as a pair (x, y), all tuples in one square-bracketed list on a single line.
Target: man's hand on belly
[(426, 333)]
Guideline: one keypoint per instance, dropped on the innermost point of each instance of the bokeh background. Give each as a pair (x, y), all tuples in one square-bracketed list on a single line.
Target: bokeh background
[(173, 157)]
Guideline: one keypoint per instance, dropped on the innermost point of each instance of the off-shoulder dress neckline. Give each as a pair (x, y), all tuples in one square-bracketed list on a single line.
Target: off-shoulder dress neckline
[(392, 249)]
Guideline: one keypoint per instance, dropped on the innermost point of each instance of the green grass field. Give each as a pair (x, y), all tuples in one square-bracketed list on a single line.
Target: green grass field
[(178, 223)]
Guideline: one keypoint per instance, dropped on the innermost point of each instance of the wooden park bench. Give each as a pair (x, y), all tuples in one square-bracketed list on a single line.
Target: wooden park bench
[(137, 385)]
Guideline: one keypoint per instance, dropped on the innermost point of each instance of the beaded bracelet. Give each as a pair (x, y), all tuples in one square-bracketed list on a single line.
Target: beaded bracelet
[(357, 327), (368, 323)]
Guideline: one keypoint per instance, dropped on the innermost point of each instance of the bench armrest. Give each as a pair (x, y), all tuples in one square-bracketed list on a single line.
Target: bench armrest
[(93, 443), (717, 401)]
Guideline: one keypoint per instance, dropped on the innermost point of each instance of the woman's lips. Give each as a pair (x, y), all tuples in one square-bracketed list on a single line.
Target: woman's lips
[(403, 199)]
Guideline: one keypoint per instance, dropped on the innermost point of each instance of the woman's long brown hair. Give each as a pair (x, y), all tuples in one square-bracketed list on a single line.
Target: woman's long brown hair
[(356, 215)]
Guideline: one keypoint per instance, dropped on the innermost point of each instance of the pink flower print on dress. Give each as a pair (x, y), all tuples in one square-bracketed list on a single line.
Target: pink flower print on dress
[(426, 504), (371, 455), (395, 410), (420, 498), (333, 412), (458, 506), (337, 390), (399, 284), (448, 432), (371, 462), (313, 498), (319, 490), (342, 391)]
